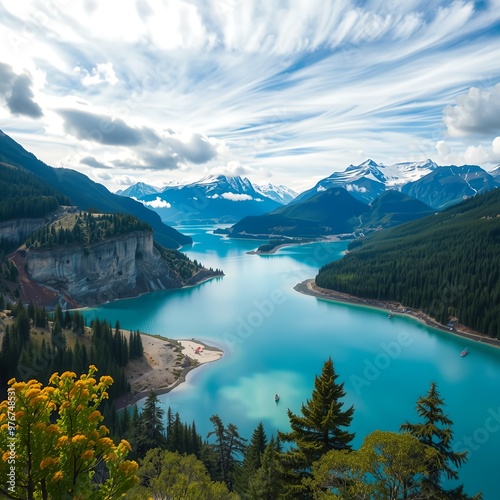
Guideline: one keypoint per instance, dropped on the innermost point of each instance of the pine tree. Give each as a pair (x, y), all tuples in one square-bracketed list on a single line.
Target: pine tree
[(152, 433), (267, 482), (228, 444), (252, 459), (321, 428), (435, 431)]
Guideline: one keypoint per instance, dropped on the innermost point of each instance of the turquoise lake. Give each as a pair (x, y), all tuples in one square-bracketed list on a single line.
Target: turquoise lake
[(276, 340)]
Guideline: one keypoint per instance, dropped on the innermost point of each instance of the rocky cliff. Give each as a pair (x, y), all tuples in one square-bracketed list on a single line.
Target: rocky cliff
[(122, 266), (16, 230)]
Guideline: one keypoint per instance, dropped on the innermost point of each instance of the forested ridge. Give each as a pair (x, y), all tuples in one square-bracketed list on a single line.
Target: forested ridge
[(447, 265), (25, 195), (86, 228)]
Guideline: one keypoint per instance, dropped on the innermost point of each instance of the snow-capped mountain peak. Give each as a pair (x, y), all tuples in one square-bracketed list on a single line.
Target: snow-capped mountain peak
[(235, 184), (281, 194), (138, 190), (401, 173)]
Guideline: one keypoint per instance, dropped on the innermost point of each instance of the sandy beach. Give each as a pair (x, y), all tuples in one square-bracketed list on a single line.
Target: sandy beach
[(164, 365), (309, 287)]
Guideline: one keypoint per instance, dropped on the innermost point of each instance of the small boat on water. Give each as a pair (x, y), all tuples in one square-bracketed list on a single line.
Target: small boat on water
[(464, 352), (276, 398), (390, 315)]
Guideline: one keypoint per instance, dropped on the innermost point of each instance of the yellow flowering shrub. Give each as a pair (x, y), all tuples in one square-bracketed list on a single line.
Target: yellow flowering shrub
[(60, 425)]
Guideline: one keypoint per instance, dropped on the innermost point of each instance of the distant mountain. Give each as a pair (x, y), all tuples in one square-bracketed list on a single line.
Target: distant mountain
[(215, 198), (446, 264), (446, 186), (280, 194), (137, 190), (393, 208), (369, 179), (365, 182), (495, 173), (398, 174), (87, 194), (333, 211)]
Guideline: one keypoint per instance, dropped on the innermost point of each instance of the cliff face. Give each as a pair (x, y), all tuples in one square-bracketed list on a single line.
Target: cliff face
[(16, 230), (118, 267)]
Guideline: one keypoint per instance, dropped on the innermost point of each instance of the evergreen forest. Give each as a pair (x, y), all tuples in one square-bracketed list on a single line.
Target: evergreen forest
[(447, 265)]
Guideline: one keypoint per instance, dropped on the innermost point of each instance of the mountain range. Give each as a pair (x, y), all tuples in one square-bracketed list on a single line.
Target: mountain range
[(214, 198), (226, 199)]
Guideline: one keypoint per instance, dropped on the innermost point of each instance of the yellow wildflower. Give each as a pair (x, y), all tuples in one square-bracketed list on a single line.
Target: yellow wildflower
[(62, 440), (47, 462), (126, 444), (107, 442), (38, 399), (128, 466), (58, 475), (103, 430), (87, 455), (33, 392), (106, 380), (79, 438)]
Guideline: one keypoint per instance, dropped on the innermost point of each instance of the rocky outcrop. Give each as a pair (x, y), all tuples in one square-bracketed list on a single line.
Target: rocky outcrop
[(118, 267), (17, 230)]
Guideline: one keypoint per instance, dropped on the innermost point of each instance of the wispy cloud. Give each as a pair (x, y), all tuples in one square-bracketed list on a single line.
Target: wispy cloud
[(292, 92)]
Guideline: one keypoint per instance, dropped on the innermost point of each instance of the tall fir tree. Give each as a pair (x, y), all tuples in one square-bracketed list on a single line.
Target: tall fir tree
[(321, 428), (267, 481), (252, 460), (435, 431), (228, 445), (152, 428)]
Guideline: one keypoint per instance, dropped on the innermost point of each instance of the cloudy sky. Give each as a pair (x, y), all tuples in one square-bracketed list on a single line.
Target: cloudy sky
[(281, 91)]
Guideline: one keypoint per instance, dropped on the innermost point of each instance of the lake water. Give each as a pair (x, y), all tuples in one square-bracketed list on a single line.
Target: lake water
[(276, 340)]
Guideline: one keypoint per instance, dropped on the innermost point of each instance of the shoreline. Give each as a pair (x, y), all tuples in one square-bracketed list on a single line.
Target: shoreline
[(187, 285), (308, 287), (326, 239), (164, 366)]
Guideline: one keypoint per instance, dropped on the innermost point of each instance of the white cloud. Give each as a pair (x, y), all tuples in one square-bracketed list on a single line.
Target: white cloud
[(358, 189), (157, 203), (483, 154), (476, 112), (236, 197), (101, 73)]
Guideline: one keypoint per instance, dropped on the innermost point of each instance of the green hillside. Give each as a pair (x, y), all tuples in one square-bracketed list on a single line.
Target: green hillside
[(447, 264), (333, 211), (87, 194), (23, 195), (393, 208)]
